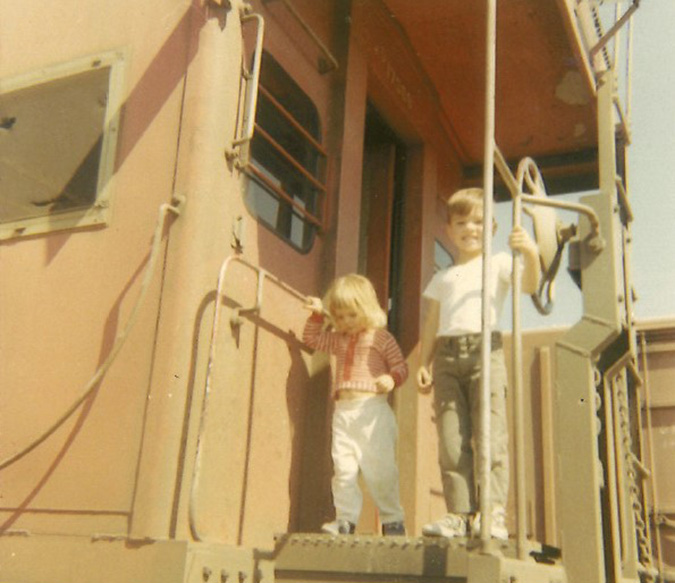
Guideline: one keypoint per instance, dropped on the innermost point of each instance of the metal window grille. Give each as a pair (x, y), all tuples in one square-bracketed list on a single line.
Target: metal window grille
[(287, 165)]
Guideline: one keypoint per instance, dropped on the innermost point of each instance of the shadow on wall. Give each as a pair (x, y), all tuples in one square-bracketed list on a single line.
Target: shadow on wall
[(309, 411), (307, 420)]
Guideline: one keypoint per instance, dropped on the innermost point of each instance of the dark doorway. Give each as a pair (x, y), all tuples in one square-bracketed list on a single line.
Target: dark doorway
[(382, 218)]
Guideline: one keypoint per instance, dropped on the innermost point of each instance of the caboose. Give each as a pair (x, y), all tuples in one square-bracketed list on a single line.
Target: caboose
[(177, 176)]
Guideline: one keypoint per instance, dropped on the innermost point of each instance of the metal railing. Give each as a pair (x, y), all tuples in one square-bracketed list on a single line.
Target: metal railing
[(252, 84), (236, 319)]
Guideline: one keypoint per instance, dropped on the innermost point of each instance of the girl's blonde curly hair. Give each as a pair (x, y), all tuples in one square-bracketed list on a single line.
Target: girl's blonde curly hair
[(355, 292)]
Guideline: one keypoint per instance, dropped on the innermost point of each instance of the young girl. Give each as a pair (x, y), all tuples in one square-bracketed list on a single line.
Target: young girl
[(369, 364)]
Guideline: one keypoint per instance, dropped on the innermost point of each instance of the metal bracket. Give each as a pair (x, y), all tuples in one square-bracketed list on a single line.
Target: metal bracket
[(235, 319)]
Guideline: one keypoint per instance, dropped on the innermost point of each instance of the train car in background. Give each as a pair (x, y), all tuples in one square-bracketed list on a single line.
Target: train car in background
[(178, 175)]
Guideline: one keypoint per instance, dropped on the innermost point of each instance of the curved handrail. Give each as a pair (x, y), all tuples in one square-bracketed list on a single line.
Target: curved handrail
[(235, 321), (251, 104), (89, 388)]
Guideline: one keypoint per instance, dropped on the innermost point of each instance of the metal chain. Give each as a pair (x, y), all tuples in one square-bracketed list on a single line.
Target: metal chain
[(644, 542)]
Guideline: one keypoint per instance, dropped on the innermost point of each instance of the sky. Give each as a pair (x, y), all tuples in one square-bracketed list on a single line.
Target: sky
[(651, 178), (652, 159)]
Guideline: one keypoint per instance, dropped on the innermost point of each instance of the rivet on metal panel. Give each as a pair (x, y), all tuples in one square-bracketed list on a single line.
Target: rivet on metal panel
[(224, 576), (242, 576), (206, 573)]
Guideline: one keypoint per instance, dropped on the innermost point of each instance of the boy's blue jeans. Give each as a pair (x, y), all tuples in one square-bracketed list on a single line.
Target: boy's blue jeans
[(456, 372)]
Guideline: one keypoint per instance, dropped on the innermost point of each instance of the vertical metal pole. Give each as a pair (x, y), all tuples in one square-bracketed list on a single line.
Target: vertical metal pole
[(485, 456), (629, 71), (518, 404)]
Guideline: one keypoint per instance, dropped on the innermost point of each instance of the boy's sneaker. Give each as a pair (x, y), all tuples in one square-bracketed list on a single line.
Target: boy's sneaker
[(338, 526), (450, 526), (393, 529), (497, 527)]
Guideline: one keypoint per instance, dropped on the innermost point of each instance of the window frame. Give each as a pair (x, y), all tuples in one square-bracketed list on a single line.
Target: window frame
[(98, 212), (315, 218)]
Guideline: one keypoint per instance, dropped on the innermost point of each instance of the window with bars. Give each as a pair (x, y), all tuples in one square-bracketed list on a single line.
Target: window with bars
[(286, 189)]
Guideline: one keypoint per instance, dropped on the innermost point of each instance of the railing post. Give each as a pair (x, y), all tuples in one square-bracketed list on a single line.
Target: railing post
[(485, 455)]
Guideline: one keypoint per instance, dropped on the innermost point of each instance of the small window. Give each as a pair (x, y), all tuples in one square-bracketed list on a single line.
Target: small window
[(58, 130), (442, 258), (287, 167)]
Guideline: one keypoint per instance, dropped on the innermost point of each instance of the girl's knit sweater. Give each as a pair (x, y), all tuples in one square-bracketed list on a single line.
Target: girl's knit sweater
[(360, 358)]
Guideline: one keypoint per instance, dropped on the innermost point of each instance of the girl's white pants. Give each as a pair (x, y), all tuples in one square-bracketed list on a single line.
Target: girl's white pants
[(364, 438)]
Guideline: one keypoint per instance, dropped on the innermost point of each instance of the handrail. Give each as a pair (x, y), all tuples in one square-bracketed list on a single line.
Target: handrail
[(528, 175), (485, 455), (582, 209), (90, 387), (235, 321), (251, 104), (514, 186), (614, 29), (518, 396)]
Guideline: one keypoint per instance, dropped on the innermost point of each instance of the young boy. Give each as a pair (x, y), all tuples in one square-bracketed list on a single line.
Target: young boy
[(451, 348)]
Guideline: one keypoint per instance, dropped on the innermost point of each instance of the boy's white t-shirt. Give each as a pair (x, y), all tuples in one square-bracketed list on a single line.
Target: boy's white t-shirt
[(458, 290)]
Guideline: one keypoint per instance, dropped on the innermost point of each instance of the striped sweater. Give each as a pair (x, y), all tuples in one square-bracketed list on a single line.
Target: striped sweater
[(360, 358)]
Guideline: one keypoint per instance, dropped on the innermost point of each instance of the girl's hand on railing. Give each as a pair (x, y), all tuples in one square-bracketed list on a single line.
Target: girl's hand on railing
[(314, 305)]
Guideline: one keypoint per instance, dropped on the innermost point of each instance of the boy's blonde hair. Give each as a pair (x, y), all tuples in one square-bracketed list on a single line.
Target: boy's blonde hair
[(355, 292), (463, 202)]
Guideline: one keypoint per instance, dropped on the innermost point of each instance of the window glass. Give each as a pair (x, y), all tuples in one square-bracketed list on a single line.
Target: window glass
[(56, 147), (286, 186), (442, 257)]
